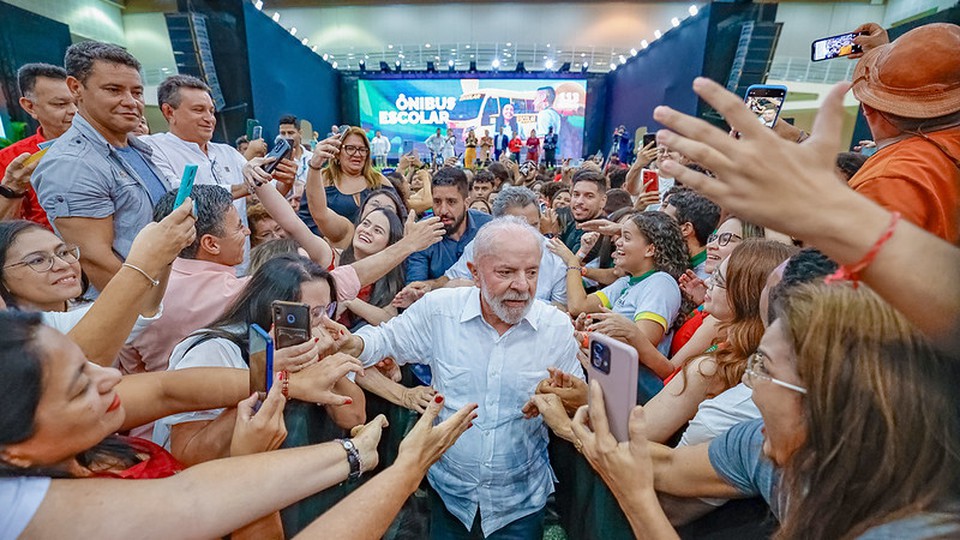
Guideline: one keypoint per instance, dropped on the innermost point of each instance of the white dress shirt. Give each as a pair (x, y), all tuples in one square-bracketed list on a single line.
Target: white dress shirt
[(500, 465), (221, 165), (380, 146), (551, 278)]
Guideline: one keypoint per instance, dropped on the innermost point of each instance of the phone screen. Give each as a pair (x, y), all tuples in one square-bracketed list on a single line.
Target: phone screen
[(834, 47), (257, 133), (261, 359), (186, 184), (765, 101)]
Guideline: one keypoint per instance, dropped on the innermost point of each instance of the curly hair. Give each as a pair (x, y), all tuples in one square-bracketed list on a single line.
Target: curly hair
[(670, 252)]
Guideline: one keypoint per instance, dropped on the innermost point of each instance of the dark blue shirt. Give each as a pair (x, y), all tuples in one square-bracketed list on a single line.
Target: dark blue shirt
[(432, 262), (133, 158)]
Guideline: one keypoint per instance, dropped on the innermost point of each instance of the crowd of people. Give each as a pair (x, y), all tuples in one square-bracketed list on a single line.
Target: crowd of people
[(795, 314)]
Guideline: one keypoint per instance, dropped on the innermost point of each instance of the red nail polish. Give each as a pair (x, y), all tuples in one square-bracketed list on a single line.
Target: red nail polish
[(348, 402), (316, 340), (470, 425), (341, 332), (438, 399)]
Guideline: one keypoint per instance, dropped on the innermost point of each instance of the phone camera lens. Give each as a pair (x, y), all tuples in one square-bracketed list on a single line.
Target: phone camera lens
[(291, 318)]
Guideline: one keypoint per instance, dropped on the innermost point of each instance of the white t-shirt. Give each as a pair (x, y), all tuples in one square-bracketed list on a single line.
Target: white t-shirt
[(64, 321), (215, 352), (19, 500), (655, 297)]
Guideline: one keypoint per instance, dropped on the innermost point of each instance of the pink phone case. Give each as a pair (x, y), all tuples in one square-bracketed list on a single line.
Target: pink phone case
[(619, 385)]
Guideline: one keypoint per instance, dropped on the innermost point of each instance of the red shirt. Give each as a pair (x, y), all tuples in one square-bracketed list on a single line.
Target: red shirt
[(30, 207), (515, 145)]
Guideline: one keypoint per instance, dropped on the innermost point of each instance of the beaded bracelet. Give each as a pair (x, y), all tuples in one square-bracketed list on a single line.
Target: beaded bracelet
[(852, 272)]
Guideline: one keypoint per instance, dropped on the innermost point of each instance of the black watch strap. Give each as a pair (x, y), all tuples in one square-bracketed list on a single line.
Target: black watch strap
[(353, 458), (11, 194)]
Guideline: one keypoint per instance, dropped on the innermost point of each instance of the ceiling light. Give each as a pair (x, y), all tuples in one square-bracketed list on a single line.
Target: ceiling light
[(509, 44), (390, 46), (612, 66), (427, 45), (314, 48), (325, 57), (548, 64), (633, 52), (258, 4), (548, 45), (693, 11), (495, 63), (644, 44), (675, 22), (657, 34), (305, 40), (293, 30), (583, 55), (468, 46), (622, 59), (544, 57), (334, 65), (276, 16)]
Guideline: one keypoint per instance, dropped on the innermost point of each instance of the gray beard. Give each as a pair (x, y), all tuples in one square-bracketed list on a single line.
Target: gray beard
[(508, 315)]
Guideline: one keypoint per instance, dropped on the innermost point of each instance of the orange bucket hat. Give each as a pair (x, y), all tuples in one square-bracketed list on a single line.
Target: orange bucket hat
[(915, 76)]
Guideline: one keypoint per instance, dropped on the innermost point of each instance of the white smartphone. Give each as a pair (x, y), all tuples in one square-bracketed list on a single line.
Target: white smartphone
[(615, 366)]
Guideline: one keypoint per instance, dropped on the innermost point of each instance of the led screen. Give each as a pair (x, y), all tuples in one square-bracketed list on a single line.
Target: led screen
[(410, 110)]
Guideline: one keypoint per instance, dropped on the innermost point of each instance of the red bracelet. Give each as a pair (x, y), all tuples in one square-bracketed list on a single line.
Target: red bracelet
[(285, 384), (852, 272)]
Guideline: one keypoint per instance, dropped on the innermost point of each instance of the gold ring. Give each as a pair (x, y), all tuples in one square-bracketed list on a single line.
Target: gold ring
[(578, 445)]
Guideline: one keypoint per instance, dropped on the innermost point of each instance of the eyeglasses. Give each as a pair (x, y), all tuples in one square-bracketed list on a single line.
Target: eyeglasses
[(756, 370), (317, 312), (723, 239), (716, 280), (355, 150), (43, 262)]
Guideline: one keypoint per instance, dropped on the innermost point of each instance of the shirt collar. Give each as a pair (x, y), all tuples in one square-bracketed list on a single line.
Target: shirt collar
[(472, 310), (90, 133), (634, 280), (698, 259), (195, 266)]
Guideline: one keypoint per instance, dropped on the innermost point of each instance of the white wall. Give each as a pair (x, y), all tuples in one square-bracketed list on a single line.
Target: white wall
[(91, 19), (898, 10), (803, 22)]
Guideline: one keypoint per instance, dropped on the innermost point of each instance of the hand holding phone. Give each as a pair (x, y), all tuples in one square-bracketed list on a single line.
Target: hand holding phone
[(280, 151), (835, 47), (291, 323), (257, 133), (651, 181), (616, 367), (186, 184)]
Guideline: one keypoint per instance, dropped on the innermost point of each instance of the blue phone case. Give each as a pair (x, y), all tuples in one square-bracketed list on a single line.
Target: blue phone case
[(186, 184), (265, 336)]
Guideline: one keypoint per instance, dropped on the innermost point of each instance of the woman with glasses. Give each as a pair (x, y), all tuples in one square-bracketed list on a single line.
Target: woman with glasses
[(39, 272), (858, 436), (340, 176)]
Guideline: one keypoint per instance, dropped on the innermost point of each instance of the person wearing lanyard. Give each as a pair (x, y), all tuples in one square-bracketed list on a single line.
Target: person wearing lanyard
[(640, 308)]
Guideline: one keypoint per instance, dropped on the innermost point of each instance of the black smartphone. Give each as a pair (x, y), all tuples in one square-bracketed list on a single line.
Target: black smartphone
[(649, 138), (834, 47), (291, 323), (281, 151), (766, 101)]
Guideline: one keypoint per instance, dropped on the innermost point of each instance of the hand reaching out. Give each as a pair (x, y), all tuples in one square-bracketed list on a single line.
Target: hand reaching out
[(261, 430), (693, 286), (425, 233), (426, 442)]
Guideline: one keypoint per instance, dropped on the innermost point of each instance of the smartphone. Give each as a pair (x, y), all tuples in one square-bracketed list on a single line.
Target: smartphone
[(34, 157), (186, 184), (291, 323), (343, 131), (766, 101), (261, 359), (251, 125), (834, 47), (257, 133), (649, 138), (653, 177), (281, 151), (616, 367)]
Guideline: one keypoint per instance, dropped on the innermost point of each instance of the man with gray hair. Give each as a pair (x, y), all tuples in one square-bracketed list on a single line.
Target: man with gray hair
[(522, 203), (489, 345)]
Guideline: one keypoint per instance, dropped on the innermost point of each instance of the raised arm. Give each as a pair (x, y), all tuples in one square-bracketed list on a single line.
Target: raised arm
[(16, 178), (335, 227), (276, 204), (417, 237), (107, 324), (206, 501), (577, 299), (792, 188)]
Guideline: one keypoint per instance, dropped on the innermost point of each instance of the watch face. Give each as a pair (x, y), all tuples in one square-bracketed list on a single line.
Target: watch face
[(348, 445)]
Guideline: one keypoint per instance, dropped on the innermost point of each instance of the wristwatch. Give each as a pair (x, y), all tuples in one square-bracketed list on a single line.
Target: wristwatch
[(353, 458), (8, 193)]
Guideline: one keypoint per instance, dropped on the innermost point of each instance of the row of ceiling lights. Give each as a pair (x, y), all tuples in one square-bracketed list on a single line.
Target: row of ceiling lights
[(495, 64)]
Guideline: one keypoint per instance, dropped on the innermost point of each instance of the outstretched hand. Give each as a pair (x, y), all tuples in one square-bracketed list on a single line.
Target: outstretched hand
[(426, 442)]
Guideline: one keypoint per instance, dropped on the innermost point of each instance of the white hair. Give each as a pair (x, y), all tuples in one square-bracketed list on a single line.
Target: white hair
[(503, 229)]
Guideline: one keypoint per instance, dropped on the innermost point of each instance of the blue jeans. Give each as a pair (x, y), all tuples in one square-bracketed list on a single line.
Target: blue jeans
[(445, 526)]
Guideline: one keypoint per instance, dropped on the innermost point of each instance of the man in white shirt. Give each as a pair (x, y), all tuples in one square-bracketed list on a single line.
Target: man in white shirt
[(552, 277), (435, 144), (491, 346), (380, 148)]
